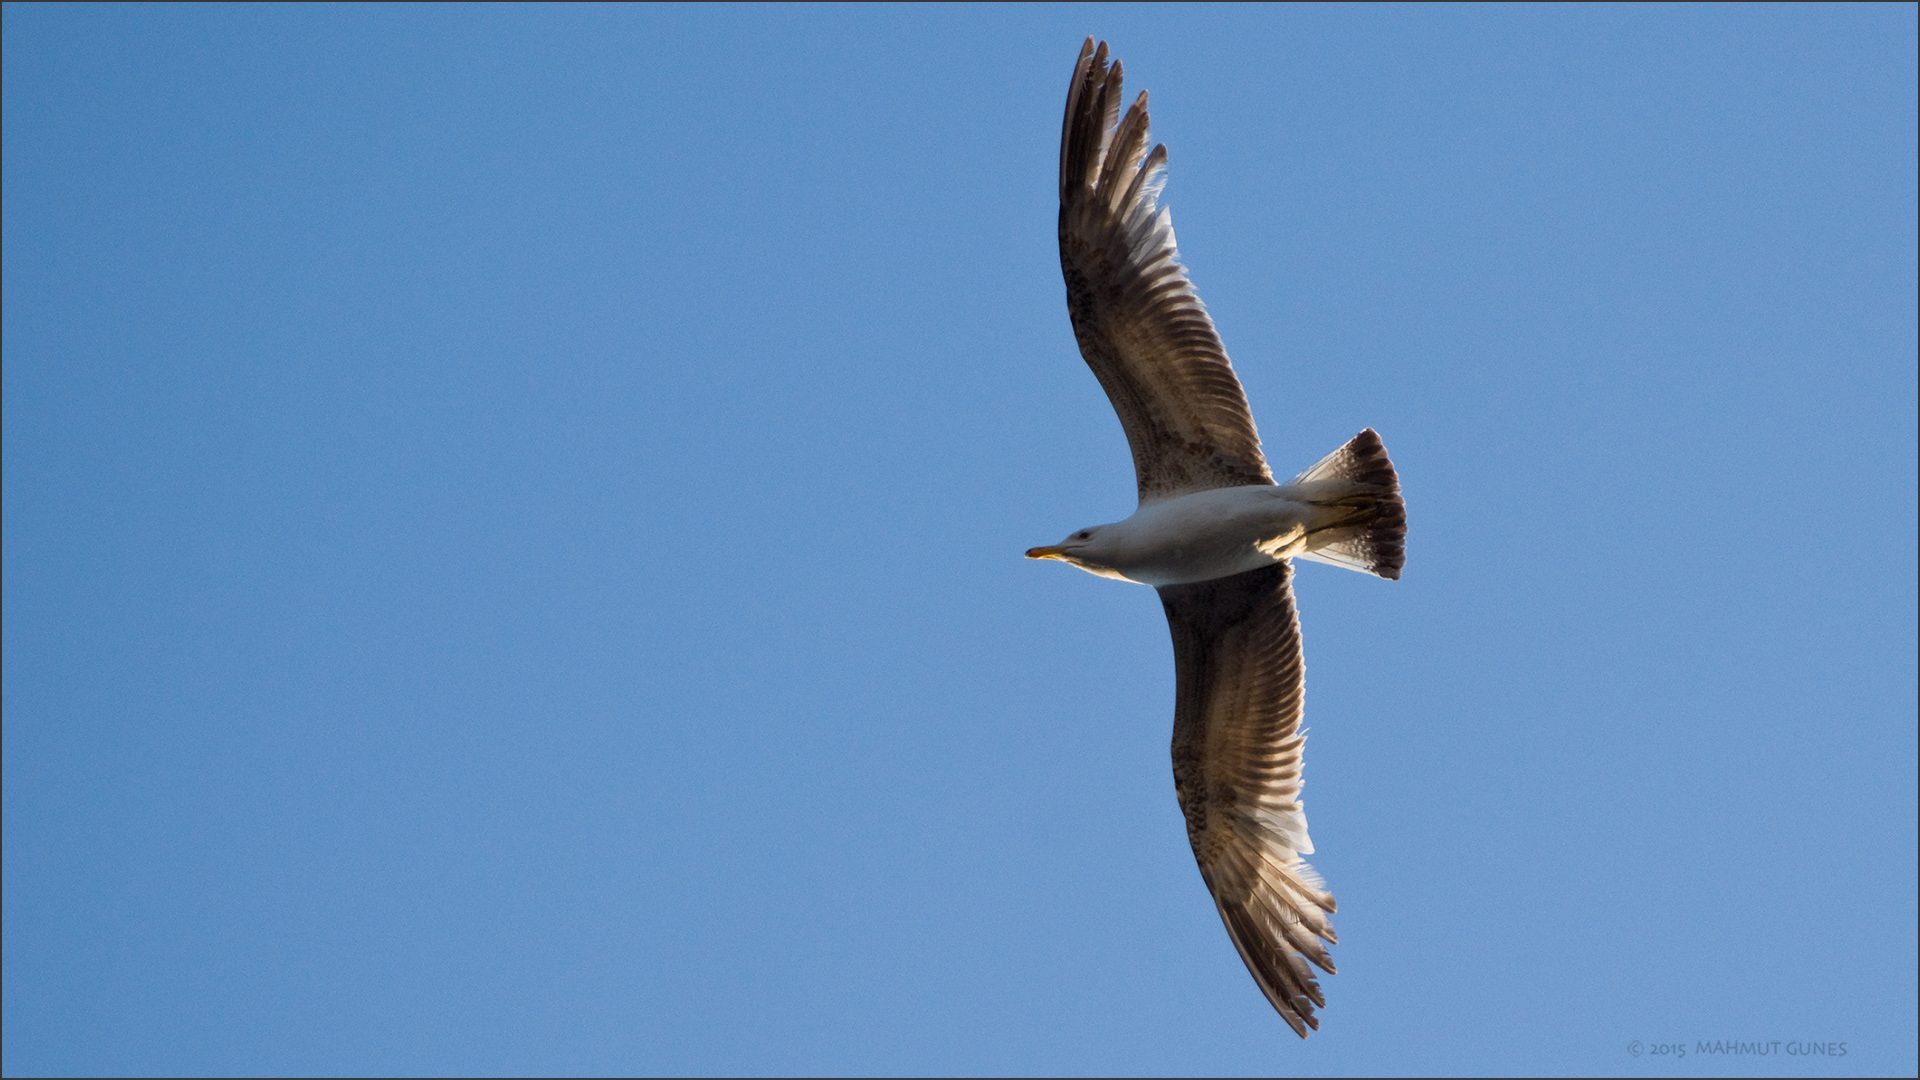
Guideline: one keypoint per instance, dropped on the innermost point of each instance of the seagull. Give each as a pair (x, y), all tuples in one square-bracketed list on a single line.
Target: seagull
[(1214, 534)]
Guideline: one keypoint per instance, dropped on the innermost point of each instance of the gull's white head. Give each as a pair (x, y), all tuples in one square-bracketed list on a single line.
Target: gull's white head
[(1094, 549)]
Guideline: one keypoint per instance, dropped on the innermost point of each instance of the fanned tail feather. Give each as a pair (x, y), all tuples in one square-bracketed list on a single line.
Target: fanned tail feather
[(1367, 520)]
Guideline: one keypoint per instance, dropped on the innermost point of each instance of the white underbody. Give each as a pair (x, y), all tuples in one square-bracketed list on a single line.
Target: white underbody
[(1202, 536)]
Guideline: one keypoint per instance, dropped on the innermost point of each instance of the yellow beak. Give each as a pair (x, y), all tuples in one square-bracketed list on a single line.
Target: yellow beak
[(1044, 552)]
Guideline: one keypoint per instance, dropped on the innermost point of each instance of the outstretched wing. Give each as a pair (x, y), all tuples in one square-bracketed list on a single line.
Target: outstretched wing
[(1143, 331), (1236, 768)]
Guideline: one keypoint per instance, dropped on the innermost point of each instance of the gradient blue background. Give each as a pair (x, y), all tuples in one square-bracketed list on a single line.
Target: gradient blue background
[(513, 523)]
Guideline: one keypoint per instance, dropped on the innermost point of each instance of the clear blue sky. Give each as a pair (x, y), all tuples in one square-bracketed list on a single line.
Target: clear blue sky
[(513, 523)]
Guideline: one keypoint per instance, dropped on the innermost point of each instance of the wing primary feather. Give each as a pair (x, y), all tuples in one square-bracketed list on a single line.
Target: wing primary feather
[(1068, 158), (1109, 104), (1123, 155)]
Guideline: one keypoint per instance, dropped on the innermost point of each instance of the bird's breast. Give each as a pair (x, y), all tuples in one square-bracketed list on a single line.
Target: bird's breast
[(1210, 534)]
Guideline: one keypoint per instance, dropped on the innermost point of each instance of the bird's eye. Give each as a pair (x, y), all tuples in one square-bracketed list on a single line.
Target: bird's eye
[(1082, 535)]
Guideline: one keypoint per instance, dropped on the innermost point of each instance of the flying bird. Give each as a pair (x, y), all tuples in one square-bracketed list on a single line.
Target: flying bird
[(1214, 534)]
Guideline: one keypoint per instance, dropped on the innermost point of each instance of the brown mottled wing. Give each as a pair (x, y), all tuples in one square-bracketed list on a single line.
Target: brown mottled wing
[(1143, 331), (1236, 768)]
